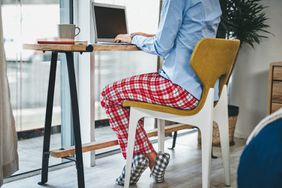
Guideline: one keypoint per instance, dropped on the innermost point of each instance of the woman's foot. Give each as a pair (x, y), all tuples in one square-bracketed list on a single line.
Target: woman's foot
[(139, 165), (158, 171), (152, 158)]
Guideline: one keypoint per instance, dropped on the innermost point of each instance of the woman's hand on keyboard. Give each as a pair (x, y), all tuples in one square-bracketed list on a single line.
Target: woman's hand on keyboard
[(123, 38)]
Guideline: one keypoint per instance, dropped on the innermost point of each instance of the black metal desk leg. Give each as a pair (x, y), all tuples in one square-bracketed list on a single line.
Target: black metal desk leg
[(48, 119), (76, 121), (174, 140)]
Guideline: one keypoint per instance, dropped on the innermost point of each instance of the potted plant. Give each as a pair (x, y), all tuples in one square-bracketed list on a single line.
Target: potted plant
[(244, 20)]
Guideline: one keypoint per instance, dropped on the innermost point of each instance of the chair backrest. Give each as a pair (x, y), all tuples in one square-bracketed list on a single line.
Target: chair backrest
[(213, 59)]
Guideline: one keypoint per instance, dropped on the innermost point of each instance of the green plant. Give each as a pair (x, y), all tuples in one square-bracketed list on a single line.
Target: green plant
[(244, 20)]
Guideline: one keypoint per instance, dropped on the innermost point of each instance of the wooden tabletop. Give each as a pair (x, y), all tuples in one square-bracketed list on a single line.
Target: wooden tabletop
[(276, 63), (79, 47), (103, 47)]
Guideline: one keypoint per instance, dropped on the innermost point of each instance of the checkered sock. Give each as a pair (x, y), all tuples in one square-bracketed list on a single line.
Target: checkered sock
[(139, 165), (158, 170)]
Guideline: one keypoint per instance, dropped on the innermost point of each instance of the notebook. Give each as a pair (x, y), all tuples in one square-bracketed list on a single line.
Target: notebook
[(61, 41)]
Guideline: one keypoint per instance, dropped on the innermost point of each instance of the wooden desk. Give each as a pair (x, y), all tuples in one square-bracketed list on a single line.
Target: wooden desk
[(79, 48), (69, 51)]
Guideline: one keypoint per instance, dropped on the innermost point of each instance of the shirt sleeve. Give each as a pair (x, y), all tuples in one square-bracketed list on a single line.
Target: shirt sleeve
[(163, 42)]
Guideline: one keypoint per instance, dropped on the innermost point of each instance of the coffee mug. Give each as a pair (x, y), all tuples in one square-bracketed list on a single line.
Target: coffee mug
[(67, 31)]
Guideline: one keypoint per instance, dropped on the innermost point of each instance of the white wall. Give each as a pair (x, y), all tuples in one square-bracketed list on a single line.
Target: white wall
[(250, 81), (141, 15), (85, 79)]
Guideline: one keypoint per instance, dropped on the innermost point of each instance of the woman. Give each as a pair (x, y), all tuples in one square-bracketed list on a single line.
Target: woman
[(183, 24)]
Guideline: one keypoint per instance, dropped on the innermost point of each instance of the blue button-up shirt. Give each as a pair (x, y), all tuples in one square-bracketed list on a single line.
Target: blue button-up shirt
[(183, 23)]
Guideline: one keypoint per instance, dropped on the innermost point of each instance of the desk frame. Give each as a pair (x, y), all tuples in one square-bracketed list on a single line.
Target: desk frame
[(75, 119)]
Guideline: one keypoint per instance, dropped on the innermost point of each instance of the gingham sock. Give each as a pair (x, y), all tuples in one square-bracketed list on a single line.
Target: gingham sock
[(139, 165), (158, 170)]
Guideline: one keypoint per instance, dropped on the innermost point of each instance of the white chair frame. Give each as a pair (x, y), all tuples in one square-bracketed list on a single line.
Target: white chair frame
[(203, 120)]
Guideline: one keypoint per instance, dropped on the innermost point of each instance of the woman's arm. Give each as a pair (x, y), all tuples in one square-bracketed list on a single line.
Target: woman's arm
[(142, 34), (128, 38), (163, 42)]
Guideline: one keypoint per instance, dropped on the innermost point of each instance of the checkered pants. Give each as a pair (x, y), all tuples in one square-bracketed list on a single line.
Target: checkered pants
[(150, 88)]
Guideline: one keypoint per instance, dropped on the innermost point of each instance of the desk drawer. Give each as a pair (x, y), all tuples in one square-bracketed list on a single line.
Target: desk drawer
[(275, 107), (277, 92), (277, 73)]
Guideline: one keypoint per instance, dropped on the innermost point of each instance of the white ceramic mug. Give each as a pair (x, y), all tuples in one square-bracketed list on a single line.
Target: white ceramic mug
[(67, 31)]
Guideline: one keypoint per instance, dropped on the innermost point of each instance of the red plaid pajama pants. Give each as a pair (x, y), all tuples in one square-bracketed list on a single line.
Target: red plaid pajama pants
[(150, 88)]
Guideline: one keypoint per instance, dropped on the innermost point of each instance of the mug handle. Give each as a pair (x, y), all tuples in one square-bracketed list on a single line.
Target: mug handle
[(78, 31)]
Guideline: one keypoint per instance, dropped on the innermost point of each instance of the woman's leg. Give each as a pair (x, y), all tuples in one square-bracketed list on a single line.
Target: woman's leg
[(119, 120), (151, 88)]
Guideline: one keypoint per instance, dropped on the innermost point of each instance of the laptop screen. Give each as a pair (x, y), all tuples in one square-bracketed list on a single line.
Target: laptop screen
[(109, 22)]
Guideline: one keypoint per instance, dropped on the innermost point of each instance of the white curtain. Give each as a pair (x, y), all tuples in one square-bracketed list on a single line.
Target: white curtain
[(8, 136)]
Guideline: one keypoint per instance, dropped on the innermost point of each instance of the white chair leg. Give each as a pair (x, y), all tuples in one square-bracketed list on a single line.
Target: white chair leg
[(161, 135), (206, 132), (133, 120), (224, 142), (221, 117)]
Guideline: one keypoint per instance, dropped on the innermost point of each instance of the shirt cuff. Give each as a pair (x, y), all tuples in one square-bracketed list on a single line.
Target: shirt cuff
[(136, 40), (146, 44)]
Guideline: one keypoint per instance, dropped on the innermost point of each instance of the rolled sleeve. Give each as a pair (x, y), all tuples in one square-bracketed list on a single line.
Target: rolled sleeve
[(145, 43)]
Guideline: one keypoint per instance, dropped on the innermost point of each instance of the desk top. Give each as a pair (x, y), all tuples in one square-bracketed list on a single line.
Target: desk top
[(276, 63), (79, 47)]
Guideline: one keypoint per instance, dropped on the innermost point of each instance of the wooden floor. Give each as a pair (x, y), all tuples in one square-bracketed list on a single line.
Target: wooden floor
[(184, 170)]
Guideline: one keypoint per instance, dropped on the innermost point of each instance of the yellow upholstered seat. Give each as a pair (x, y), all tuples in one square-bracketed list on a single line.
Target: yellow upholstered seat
[(212, 60)]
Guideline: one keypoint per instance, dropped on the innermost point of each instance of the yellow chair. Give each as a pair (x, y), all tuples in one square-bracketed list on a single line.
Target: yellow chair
[(212, 60)]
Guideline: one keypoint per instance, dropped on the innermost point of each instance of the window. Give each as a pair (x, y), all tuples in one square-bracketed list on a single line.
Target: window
[(25, 21)]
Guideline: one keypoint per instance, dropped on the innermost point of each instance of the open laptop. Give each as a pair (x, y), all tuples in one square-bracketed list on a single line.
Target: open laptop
[(109, 21)]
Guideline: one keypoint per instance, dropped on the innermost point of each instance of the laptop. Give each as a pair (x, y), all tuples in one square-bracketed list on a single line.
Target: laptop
[(109, 21)]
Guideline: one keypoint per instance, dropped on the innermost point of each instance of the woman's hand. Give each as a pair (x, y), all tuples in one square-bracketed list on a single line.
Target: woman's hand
[(123, 38)]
